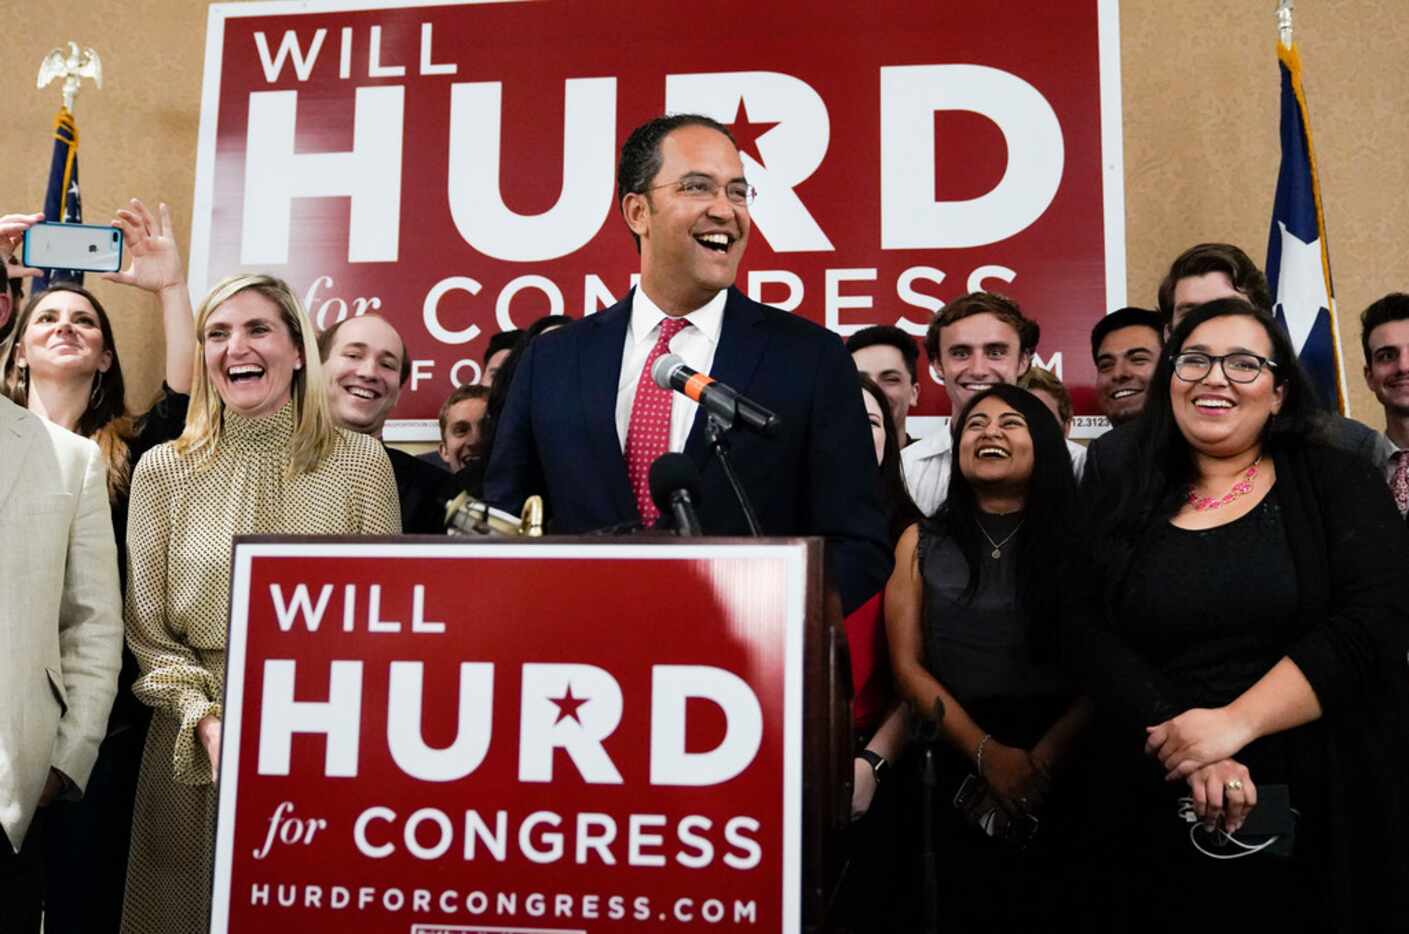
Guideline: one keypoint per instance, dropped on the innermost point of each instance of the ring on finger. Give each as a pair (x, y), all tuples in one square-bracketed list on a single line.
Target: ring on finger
[(1234, 785)]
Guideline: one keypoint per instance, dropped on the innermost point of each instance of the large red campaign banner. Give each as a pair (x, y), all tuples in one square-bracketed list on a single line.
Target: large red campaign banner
[(452, 166), (429, 738)]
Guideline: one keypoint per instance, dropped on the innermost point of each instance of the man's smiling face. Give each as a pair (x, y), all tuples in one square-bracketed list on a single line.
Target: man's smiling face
[(1125, 362), (363, 371), (1387, 373), (976, 352), (690, 244)]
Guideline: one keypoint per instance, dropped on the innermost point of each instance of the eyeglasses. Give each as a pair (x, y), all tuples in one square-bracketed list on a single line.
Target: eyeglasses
[(704, 188), (1241, 367)]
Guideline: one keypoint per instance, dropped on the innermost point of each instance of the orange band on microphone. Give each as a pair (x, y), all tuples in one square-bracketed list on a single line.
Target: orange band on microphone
[(696, 384)]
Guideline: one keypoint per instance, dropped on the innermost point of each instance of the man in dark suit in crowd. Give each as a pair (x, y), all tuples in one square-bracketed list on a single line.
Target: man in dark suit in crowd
[(584, 420), (495, 353), (1201, 274), (365, 364), (1125, 346), (1384, 336), (461, 425), (889, 356)]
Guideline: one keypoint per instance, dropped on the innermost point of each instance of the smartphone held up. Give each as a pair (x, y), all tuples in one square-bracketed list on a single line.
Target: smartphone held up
[(82, 247)]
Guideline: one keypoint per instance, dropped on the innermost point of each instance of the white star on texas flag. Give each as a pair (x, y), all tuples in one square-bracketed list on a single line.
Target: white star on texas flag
[(1301, 285)]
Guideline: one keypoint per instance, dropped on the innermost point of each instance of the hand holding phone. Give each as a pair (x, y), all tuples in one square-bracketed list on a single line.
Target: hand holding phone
[(975, 800), (12, 230)]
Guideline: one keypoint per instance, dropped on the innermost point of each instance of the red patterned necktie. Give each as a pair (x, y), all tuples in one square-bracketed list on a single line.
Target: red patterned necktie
[(1399, 484), (648, 433)]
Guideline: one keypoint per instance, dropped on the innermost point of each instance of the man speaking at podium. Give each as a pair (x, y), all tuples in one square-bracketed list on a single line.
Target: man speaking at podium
[(584, 419)]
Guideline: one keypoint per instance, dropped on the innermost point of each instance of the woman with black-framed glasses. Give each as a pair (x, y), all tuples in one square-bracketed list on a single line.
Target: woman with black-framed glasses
[(1248, 650)]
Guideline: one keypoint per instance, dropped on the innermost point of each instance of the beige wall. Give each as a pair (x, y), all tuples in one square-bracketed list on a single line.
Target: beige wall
[(1201, 143), (1200, 99)]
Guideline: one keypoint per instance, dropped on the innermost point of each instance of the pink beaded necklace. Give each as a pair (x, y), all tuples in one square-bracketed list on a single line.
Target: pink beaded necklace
[(1241, 488)]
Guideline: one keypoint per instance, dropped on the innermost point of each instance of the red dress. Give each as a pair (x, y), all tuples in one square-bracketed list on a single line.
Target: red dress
[(870, 664)]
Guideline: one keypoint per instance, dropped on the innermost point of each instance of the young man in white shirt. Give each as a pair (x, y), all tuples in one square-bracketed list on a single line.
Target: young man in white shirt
[(978, 340)]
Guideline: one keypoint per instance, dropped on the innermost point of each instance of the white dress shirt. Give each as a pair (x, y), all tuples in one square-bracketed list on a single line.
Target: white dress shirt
[(695, 343), (1078, 458), (927, 463), (926, 467)]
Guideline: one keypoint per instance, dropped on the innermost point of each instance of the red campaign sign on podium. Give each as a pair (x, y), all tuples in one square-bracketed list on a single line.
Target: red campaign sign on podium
[(452, 166), (493, 738)]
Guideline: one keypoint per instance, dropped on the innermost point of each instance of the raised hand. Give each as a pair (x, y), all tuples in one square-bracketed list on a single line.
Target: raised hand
[(12, 228), (156, 262)]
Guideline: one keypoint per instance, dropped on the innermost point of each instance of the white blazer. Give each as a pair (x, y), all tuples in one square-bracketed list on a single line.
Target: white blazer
[(60, 613)]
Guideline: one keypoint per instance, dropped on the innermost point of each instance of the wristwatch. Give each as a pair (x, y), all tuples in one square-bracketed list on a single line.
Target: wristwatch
[(879, 766)]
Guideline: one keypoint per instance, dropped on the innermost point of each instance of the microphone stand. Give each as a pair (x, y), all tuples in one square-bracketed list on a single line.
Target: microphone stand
[(719, 444), (925, 733)]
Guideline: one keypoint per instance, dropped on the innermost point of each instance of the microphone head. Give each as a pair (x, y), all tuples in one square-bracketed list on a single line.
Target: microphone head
[(661, 369), (670, 472)]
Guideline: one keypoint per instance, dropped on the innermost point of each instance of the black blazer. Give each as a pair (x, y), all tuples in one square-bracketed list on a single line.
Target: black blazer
[(1351, 553), (424, 490), (558, 437)]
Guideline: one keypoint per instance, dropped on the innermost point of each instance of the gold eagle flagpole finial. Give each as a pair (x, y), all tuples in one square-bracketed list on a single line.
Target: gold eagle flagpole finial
[(1284, 21), (73, 67)]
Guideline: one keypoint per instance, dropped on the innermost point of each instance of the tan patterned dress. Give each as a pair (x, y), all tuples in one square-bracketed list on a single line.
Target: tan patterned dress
[(182, 521)]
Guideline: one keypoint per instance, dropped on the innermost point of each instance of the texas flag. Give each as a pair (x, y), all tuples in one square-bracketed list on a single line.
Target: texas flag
[(1298, 264)]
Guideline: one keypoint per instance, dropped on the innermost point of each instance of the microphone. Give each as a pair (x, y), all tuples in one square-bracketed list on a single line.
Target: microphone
[(675, 487), (724, 403)]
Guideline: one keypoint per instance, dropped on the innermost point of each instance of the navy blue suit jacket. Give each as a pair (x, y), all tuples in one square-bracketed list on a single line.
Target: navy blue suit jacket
[(558, 437)]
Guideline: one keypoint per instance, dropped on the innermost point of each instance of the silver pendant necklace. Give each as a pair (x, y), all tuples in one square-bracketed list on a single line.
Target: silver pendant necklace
[(997, 551)]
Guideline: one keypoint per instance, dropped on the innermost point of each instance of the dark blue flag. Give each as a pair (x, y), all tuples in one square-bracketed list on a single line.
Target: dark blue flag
[(61, 200), (1298, 263)]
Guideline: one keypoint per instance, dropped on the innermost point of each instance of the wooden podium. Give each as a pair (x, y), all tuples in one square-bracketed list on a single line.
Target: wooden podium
[(548, 735)]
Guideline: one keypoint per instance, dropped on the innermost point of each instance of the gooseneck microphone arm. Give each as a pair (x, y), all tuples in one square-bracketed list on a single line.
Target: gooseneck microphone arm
[(716, 428), (725, 408)]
